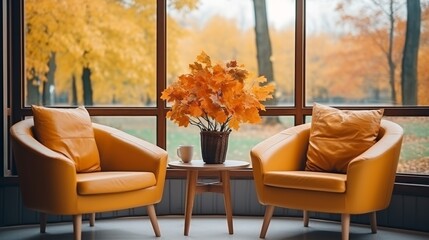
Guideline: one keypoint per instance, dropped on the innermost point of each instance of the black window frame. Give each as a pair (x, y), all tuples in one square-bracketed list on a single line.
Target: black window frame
[(16, 110)]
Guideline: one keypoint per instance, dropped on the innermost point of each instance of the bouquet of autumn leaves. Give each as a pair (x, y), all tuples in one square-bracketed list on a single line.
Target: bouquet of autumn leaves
[(216, 97)]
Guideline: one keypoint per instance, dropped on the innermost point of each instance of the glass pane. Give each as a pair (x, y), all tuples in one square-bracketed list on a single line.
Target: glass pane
[(141, 127), (225, 30), (239, 144), (415, 146), (92, 53), (368, 52)]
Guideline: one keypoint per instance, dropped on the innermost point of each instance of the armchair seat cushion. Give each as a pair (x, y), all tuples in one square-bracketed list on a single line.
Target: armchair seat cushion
[(113, 182), (305, 180)]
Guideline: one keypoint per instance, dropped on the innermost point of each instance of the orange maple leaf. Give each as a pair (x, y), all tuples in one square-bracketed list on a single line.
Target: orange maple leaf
[(220, 97)]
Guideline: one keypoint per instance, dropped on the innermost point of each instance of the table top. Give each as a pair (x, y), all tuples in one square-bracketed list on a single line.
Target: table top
[(202, 166)]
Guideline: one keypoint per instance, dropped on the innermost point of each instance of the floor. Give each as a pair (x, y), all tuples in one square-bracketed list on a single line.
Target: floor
[(206, 228)]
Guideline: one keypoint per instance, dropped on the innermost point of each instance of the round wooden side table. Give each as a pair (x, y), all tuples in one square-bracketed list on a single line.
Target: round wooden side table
[(222, 186)]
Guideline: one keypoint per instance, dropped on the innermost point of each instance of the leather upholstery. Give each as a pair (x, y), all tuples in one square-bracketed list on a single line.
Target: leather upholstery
[(132, 173), (337, 136), (327, 182), (69, 132), (280, 180), (113, 182)]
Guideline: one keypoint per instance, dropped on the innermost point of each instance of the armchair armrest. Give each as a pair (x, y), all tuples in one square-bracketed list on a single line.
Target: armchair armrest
[(120, 151), (283, 151), (379, 160)]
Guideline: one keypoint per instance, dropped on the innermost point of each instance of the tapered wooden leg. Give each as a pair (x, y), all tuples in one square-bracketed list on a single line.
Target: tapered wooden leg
[(153, 220), (43, 220), (306, 218), (77, 226), (345, 226), (192, 177), (373, 221), (227, 200), (269, 210), (91, 219)]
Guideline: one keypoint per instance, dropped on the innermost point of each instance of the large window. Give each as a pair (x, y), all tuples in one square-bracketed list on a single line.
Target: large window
[(227, 33), (92, 53), (258, 34), (369, 52), (372, 53), (116, 57)]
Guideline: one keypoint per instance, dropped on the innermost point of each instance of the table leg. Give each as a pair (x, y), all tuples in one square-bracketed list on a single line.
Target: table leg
[(191, 184), (227, 200)]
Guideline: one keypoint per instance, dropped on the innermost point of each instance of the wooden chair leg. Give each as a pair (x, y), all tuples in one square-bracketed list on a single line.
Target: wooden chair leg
[(92, 219), (269, 210), (306, 218), (152, 216), (345, 226), (43, 220), (77, 226), (373, 221)]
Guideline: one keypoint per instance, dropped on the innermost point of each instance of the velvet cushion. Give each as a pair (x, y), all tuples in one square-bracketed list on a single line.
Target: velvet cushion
[(338, 136), (69, 132)]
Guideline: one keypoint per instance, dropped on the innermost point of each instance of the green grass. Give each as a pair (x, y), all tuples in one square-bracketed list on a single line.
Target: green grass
[(416, 137), (415, 145)]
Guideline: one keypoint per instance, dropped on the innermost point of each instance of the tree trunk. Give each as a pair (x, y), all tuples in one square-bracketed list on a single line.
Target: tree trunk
[(87, 87), (389, 54), (410, 55), (74, 91), (48, 97), (263, 42), (264, 50), (45, 92), (33, 94)]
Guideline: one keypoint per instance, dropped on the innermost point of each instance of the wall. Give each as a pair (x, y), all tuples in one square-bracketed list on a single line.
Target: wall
[(406, 212)]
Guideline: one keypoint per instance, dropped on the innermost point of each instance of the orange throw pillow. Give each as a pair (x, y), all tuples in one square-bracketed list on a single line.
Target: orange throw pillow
[(69, 132), (338, 136)]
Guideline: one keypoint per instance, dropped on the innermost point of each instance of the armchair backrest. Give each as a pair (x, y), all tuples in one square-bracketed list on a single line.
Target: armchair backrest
[(43, 174)]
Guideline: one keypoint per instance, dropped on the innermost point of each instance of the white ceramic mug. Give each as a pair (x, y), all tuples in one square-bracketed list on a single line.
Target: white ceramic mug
[(185, 152)]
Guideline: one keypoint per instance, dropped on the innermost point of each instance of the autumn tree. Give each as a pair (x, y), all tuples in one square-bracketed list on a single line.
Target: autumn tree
[(39, 49), (263, 42), (324, 72), (226, 42), (423, 62), (226, 38), (103, 49), (410, 55), (377, 22), (264, 50), (283, 58)]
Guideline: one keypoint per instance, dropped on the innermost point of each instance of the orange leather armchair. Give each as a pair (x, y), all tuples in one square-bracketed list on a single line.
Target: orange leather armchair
[(280, 179), (132, 175)]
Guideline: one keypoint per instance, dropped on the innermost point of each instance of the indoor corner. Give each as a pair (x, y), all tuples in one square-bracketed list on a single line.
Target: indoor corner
[(214, 119)]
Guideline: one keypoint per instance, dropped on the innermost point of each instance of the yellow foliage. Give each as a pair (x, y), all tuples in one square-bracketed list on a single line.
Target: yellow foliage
[(216, 98), (116, 40)]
